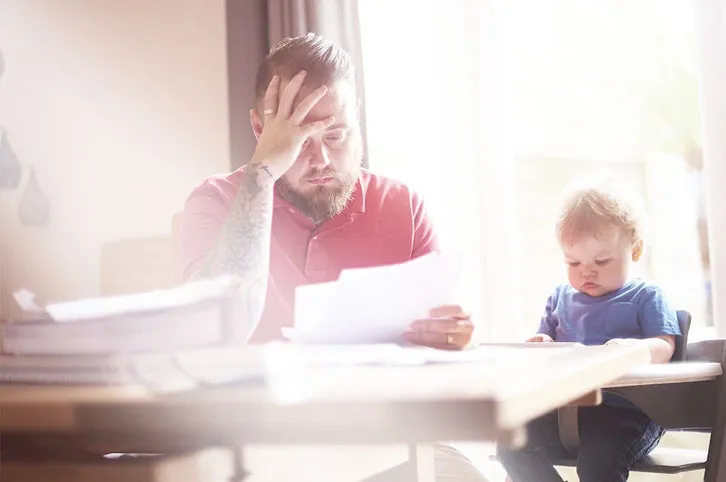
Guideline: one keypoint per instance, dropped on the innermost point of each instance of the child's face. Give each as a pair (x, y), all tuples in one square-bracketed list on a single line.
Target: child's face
[(597, 265)]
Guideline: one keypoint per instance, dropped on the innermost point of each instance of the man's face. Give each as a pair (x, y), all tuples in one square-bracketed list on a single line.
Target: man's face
[(597, 265), (322, 179)]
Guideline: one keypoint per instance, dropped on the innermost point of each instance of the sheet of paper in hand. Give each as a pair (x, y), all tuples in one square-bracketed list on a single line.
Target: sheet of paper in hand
[(373, 305)]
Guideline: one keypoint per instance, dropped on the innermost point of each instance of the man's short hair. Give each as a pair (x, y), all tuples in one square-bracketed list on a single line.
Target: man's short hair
[(589, 208), (324, 61)]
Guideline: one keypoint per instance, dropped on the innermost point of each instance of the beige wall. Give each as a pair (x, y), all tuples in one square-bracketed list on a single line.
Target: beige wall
[(121, 106)]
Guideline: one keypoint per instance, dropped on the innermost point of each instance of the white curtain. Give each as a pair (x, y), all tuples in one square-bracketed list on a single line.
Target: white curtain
[(483, 104), (711, 22), (433, 121)]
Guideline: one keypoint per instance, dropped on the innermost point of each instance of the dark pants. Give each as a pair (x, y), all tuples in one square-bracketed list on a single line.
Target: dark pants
[(612, 440)]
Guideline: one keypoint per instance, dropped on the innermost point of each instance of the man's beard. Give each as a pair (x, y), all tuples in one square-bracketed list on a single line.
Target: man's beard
[(322, 202)]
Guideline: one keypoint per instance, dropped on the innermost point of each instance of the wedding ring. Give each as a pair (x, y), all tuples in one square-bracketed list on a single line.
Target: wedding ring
[(449, 339), (268, 112)]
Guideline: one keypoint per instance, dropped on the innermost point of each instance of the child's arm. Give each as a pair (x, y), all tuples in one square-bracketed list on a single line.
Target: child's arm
[(661, 347), (659, 324), (548, 324)]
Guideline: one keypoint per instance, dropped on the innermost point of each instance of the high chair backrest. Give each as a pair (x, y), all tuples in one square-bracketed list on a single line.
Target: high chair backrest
[(684, 322)]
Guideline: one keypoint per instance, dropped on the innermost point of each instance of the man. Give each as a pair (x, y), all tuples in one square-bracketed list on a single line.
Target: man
[(302, 209)]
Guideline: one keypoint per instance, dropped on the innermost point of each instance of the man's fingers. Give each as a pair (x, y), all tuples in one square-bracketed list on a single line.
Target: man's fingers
[(449, 311), (288, 95), (271, 94), (311, 128), (304, 108), (443, 325), (447, 341)]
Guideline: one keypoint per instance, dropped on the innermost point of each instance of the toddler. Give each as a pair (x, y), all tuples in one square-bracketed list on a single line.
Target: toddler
[(601, 235)]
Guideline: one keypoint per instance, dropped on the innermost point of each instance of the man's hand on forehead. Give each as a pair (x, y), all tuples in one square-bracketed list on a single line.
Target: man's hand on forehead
[(340, 99), (304, 90), (285, 128)]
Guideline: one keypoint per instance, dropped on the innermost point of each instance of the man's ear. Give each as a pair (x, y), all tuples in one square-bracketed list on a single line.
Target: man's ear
[(256, 122), (637, 250)]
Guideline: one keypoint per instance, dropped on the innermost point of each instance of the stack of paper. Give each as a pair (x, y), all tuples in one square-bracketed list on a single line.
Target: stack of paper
[(193, 315), (158, 371), (373, 305)]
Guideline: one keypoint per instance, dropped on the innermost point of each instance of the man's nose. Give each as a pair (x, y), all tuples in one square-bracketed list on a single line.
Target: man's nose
[(589, 273), (317, 155)]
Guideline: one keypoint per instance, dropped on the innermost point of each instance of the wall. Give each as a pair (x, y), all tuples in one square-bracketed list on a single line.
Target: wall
[(122, 109)]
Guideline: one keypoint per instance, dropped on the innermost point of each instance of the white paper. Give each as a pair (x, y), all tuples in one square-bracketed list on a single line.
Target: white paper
[(373, 305), (385, 354), (96, 308), (26, 300)]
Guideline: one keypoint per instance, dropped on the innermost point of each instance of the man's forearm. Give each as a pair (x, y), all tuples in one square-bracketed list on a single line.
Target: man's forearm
[(243, 246)]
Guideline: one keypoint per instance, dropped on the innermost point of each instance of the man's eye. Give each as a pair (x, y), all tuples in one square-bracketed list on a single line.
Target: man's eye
[(574, 264), (602, 262), (335, 137)]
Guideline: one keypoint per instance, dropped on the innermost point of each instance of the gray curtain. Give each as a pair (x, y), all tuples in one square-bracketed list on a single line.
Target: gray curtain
[(333, 19), (247, 45), (254, 26)]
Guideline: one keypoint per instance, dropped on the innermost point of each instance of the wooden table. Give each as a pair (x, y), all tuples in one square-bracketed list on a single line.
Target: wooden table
[(489, 399)]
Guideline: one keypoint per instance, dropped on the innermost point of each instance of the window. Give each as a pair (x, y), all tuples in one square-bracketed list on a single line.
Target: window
[(491, 108)]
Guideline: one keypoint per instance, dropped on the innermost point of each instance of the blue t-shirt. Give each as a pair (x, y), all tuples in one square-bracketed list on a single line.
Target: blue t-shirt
[(637, 310)]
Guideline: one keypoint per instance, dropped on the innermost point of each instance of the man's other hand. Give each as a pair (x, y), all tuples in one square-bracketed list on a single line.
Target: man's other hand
[(448, 327)]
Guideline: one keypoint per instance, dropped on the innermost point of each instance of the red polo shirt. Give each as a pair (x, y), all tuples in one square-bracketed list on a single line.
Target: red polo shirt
[(384, 223)]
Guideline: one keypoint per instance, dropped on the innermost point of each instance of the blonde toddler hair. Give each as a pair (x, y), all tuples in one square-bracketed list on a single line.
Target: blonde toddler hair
[(589, 208)]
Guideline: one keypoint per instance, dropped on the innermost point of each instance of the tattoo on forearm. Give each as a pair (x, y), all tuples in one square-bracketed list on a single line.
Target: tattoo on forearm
[(243, 247), (245, 241)]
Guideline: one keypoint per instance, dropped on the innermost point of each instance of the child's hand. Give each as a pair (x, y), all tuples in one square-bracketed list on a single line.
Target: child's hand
[(623, 341), (540, 338)]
